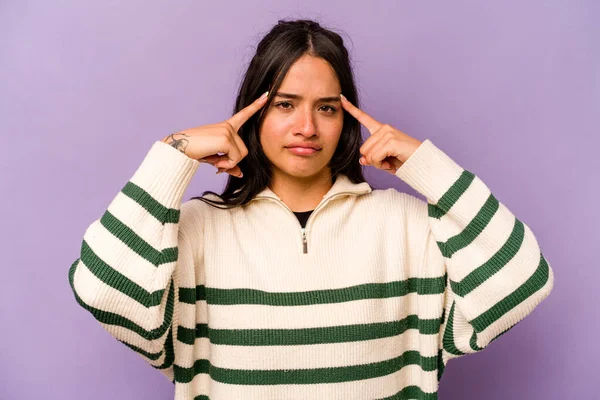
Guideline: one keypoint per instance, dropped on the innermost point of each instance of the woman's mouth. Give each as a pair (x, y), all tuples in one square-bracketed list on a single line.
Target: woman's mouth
[(302, 151)]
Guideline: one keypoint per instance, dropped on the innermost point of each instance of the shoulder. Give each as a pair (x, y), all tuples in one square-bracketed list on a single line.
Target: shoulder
[(193, 214), (198, 211), (403, 207), (397, 201)]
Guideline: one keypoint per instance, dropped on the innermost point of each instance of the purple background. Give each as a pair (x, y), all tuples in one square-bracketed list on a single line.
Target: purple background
[(510, 90)]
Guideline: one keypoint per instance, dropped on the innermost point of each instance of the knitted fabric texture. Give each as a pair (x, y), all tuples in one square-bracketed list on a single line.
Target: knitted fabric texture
[(371, 301)]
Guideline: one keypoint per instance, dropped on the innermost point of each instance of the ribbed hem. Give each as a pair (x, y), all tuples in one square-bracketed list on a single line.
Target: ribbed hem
[(165, 174), (430, 171)]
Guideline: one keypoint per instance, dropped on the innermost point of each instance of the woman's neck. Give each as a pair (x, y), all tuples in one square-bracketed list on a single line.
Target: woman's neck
[(301, 194)]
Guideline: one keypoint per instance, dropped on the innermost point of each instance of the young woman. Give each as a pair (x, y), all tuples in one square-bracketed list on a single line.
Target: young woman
[(300, 280)]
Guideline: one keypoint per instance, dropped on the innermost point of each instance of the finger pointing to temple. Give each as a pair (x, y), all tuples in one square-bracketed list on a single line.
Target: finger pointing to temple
[(239, 118), (365, 119)]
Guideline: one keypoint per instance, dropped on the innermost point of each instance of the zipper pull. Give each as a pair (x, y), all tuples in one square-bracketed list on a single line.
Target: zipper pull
[(304, 243)]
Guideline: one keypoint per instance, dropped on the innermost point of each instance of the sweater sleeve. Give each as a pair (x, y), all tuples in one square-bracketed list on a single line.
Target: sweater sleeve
[(124, 274), (495, 271)]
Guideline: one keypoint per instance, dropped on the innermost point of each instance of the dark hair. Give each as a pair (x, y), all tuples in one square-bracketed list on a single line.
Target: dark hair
[(276, 52)]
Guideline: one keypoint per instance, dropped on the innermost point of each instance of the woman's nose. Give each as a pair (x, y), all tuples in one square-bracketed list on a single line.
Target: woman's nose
[(306, 123)]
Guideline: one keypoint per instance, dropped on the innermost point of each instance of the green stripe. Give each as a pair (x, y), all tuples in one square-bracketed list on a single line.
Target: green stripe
[(169, 356), (412, 392), (473, 340), (322, 375), (434, 211), (188, 336), (448, 339), (151, 356), (192, 295), (331, 334), (305, 376), (338, 334), (328, 296), (302, 336), (483, 321), (136, 243), (185, 335), (118, 281), (116, 319), (523, 292), (472, 230), (477, 277), (126, 235), (157, 210), (217, 296), (170, 352), (185, 375), (453, 194)]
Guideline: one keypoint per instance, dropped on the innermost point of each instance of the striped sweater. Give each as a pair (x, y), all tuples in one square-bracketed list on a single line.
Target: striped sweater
[(370, 301)]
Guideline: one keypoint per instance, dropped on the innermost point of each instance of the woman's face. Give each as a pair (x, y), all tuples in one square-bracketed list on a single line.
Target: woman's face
[(306, 110)]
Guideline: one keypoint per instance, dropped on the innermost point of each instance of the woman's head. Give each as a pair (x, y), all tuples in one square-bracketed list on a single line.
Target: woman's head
[(300, 58), (305, 110)]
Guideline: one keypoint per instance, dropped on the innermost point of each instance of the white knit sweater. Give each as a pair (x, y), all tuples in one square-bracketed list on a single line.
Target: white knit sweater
[(228, 305)]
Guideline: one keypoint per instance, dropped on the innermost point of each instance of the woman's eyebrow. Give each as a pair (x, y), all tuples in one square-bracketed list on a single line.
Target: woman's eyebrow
[(298, 97)]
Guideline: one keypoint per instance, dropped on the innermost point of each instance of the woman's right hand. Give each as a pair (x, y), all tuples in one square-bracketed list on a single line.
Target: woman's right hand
[(217, 144)]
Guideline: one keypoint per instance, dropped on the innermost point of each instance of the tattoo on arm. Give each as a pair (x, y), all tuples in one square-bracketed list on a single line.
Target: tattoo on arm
[(180, 144)]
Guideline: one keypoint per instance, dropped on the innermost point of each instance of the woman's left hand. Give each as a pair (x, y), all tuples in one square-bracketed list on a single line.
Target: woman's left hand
[(387, 148)]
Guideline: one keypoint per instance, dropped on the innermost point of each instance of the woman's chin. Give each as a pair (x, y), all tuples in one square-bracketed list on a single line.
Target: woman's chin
[(304, 172), (302, 168)]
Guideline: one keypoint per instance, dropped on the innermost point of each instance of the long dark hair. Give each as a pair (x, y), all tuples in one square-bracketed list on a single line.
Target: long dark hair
[(276, 52)]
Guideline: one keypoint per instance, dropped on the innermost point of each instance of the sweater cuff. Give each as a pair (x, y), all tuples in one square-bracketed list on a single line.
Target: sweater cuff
[(430, 171), (165, 174)]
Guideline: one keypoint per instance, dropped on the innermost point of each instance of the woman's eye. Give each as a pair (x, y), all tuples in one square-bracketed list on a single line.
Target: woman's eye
[(287, 105), (283, 103)]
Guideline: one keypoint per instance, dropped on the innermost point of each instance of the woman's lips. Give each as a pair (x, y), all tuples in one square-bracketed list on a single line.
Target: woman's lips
[(302, 151)]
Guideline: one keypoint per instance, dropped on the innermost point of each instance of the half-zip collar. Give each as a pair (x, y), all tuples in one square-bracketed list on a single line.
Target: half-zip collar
[(341, 187)]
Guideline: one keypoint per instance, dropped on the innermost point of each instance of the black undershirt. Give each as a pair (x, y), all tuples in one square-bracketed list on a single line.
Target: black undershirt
[(303, 217)]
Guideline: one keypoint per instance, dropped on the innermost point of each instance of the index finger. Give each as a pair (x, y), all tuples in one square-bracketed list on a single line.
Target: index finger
[(238, 119), (369, 122)]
